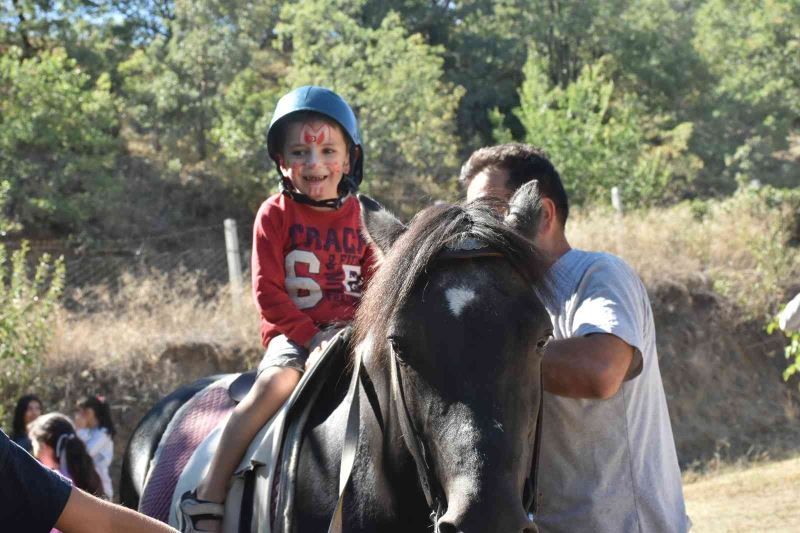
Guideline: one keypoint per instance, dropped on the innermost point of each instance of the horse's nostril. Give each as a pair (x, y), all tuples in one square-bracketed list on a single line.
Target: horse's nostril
[(444, 527)]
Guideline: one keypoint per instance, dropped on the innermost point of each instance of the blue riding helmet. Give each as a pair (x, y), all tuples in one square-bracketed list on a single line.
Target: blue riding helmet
[(325, 102)]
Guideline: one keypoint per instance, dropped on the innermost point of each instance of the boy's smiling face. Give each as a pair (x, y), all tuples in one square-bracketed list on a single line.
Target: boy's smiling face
[(314, 157)]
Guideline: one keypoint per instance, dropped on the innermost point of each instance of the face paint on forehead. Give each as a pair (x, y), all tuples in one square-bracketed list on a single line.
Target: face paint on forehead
[(315, 133)]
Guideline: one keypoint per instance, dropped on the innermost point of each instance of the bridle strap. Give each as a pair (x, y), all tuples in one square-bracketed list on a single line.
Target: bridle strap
[(416, 447), (412, 439), (532, 483)]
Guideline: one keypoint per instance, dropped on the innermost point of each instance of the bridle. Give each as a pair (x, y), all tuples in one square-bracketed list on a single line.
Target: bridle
[(434, 495)]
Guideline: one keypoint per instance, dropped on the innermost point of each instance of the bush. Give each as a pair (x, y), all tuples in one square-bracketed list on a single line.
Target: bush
[(26, 321)]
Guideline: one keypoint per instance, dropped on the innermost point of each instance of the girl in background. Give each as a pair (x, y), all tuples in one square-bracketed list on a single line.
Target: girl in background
[(57, 446), (28, 409), (96, 429)]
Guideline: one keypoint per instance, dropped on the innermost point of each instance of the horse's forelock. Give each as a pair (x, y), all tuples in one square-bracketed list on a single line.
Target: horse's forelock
[(430, 231)]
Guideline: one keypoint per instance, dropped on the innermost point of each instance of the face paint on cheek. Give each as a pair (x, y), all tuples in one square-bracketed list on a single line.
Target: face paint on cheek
[(314, 133)]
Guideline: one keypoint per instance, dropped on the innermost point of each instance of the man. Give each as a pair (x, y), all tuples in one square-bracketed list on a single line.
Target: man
[(34, 498), (608, 460)]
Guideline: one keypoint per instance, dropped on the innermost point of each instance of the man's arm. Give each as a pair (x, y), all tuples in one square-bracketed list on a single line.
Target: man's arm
[(87, 514), (591, 367)]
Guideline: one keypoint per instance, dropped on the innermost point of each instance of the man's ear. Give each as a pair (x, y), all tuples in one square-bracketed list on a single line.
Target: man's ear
[(379, 226), (525, 210)]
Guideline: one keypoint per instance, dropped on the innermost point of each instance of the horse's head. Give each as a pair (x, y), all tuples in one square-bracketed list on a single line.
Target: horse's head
[(453, 315)]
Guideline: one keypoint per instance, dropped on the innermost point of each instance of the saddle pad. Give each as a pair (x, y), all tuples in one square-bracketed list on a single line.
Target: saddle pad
[(256, 480), (188, 428)]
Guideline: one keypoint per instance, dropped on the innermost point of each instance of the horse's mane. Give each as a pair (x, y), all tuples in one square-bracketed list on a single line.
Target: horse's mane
[(431, 231)]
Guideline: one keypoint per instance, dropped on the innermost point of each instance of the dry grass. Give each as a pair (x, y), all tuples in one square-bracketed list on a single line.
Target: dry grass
[(144, 316), (740, 246), (762, 497)]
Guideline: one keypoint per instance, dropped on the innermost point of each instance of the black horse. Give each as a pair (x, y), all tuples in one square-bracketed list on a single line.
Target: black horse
[(449, 340)]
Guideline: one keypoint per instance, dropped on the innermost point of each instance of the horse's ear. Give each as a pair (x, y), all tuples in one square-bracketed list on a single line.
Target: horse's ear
[(380, 227), (524, 209)]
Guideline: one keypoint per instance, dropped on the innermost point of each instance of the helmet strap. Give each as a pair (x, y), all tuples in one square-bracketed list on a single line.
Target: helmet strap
[(289, 190)]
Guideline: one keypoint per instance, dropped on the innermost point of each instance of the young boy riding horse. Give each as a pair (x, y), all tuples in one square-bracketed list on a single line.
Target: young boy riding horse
[(308, 265)]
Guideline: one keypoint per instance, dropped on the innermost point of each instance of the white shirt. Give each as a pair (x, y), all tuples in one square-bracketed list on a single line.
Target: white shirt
[(101, 448), (608, 465)]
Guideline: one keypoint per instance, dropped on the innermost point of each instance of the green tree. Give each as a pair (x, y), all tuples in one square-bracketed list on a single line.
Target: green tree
[(244, 112), (752, 49), (184, 89), (394, 81), (58, 141), (594, 136)]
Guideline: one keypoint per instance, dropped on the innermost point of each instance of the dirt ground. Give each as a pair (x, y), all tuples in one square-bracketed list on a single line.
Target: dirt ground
[(759, 497)]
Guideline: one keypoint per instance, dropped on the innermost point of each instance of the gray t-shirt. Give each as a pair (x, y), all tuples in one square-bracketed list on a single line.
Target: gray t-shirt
[(608, 465)]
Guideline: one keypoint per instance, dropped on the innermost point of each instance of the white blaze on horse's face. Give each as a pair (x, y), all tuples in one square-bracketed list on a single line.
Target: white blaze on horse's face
[(458, 298)]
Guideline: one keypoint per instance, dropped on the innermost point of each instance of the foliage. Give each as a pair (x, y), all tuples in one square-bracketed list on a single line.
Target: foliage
[(791, 350), (751, 48), (176, 84), (394, 82), (28, 305), (702, 98), (595, 135), (57, 140)]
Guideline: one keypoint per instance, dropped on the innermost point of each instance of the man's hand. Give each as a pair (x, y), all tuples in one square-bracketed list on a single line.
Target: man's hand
[(591, 367)]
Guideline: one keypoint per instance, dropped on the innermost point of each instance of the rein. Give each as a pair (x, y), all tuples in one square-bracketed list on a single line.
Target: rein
[(468, 248)]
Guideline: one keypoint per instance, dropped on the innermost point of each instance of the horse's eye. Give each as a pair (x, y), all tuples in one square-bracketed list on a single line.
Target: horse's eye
[(395, 344), (543, 341)]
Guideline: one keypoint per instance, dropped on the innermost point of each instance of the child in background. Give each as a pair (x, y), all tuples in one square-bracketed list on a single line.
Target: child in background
[(96, 430), (28, 409), (308, 264), (57, 446)]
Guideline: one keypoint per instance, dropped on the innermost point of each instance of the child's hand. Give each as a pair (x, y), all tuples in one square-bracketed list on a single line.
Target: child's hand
[(314, 355)]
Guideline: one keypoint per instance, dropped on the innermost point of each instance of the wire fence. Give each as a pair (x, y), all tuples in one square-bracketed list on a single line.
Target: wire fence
[(200, 251)]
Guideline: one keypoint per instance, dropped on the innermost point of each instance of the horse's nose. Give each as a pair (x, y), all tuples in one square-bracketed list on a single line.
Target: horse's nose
[(445, 526), (511, 518)]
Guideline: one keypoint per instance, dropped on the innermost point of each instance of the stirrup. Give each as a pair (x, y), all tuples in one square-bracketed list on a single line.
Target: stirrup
[(191, 510)]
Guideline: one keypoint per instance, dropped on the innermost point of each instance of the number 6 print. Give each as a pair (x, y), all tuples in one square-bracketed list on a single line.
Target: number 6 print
[(295, 284)]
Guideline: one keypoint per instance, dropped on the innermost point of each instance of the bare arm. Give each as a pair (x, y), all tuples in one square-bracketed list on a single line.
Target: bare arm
[(591, 367), (87, 514)]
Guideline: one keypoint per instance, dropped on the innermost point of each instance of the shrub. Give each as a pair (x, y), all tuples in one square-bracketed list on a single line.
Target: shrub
[(27, 307)]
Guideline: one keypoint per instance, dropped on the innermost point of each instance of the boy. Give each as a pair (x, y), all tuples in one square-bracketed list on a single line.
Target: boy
[(308, 263)]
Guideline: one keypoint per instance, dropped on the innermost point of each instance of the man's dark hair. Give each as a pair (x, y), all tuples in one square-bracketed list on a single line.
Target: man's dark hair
[(523, 163)]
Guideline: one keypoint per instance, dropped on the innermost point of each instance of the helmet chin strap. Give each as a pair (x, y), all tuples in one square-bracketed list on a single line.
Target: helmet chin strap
[(345, 188)]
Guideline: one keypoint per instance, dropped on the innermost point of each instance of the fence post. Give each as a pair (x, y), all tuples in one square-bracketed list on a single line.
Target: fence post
[(234, 260), (616, 200)]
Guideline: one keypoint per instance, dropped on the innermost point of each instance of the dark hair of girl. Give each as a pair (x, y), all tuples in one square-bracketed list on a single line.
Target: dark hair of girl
[(58, 432), (18, 427), (102, 412)]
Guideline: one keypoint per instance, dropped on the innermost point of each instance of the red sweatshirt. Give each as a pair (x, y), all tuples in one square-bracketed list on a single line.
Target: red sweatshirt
[(308, 266)]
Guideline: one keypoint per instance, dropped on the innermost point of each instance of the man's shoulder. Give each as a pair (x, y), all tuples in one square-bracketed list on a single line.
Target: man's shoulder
[(607, 263)]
